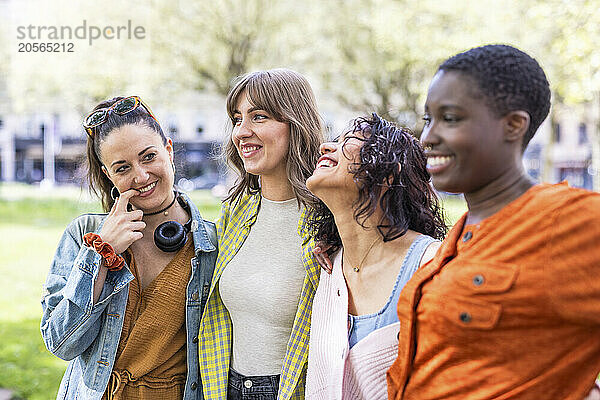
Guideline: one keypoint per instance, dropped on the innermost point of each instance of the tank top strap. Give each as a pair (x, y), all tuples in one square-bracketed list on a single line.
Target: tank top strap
[(360, 326), (410, 264), (415, 254)]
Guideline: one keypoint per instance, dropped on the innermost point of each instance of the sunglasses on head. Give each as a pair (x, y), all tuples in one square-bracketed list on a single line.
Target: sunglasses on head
[(121, 107)]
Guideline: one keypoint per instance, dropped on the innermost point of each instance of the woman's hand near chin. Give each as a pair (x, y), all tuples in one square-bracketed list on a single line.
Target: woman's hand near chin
[(121, 227)]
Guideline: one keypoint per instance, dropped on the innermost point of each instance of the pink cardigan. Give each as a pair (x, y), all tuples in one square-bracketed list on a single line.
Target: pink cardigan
[(336, 372)]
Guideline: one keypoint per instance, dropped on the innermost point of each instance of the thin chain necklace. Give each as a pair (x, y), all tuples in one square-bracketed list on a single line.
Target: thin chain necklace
[(175, 195), (358, 266)]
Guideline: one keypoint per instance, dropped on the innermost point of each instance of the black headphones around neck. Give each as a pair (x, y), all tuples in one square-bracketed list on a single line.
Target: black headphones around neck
[(171, 236)]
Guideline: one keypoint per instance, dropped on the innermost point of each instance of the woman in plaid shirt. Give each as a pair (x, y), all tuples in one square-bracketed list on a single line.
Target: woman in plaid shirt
[(253, 340)]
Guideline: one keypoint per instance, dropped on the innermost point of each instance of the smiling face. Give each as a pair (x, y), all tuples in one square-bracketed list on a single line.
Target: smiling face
[(463, 139), (332, 176), (134, 157), (261, 141)]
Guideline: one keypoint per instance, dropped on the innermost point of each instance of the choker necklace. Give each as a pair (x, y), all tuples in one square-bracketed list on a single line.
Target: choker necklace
[(175, 195), (358, 266)]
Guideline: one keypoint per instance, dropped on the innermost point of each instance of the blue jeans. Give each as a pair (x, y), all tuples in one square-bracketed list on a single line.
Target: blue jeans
[(252, 387)]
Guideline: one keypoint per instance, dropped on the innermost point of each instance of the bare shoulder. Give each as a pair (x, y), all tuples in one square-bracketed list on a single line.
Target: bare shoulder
[(430, 252)]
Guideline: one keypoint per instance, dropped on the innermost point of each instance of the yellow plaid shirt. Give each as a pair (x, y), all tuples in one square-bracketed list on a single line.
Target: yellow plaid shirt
[(215, 339)]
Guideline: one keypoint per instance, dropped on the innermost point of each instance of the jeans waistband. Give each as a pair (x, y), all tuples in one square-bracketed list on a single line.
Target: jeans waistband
[(254, 384)]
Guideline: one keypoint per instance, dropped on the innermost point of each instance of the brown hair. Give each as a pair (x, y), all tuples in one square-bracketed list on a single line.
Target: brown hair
[(99, 183), (287, 97)]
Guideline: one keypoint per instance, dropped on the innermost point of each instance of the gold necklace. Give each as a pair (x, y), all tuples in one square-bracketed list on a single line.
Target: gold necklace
[(358, 266)]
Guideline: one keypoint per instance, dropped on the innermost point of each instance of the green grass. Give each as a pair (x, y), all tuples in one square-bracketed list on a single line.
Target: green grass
[(31, 223), (24, 205), (25, 365), (27, 368)]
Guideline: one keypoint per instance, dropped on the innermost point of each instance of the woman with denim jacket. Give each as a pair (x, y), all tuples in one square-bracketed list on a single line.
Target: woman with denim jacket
[(120, 309), (254, 333)]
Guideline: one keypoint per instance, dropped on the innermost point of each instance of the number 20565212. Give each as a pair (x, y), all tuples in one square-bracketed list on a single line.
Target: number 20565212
[(27, 47)]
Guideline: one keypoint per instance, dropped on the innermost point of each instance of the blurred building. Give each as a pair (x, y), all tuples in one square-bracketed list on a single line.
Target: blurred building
[(51, 147), (562, 149), (47, 145)]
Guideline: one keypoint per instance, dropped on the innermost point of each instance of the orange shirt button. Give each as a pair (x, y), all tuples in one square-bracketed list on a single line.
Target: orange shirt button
[(467, 236), (478, 280), (465, 317)]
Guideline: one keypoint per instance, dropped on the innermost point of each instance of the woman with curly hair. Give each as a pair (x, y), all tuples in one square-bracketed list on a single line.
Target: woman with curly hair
[(382, 220)]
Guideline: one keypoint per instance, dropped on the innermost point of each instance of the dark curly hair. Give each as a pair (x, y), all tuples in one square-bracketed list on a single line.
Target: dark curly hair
[(390, 173), (508, 78)]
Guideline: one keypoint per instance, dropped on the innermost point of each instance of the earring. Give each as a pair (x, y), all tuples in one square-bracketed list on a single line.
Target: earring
[(428, 147), (112, 194)]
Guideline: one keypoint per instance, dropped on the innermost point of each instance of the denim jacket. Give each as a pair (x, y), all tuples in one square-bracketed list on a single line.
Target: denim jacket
[(88, 334)]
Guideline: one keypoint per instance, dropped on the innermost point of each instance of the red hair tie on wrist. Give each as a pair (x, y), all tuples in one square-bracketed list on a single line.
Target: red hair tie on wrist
[(112, 261)]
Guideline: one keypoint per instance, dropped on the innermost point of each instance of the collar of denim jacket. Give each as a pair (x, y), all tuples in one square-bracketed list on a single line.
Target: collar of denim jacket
[(200, 235)]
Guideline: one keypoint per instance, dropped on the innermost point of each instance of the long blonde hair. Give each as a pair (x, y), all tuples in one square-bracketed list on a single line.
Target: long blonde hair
[(287, 97)]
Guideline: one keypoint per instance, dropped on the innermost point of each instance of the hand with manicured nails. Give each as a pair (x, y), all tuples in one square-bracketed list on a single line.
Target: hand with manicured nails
[(121, 227)]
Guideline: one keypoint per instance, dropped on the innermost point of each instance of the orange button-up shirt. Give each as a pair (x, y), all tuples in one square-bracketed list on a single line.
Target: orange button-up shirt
[(508, 308)]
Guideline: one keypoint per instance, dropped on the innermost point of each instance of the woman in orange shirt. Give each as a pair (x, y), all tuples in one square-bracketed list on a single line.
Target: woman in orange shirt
[(509, 308)]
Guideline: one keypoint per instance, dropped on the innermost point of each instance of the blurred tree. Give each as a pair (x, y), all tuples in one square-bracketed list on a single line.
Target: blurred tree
[(579, 53), (387, 51), (220, 40), (65, 81), (369, 55), (565, 35), (369, 69)]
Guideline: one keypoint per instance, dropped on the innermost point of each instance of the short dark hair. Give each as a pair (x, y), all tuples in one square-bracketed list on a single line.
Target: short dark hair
[(391, 158), (508, 78)]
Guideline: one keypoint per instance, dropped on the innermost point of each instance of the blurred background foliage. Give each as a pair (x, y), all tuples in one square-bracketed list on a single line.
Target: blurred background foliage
[(359, 55), (367, 54)]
